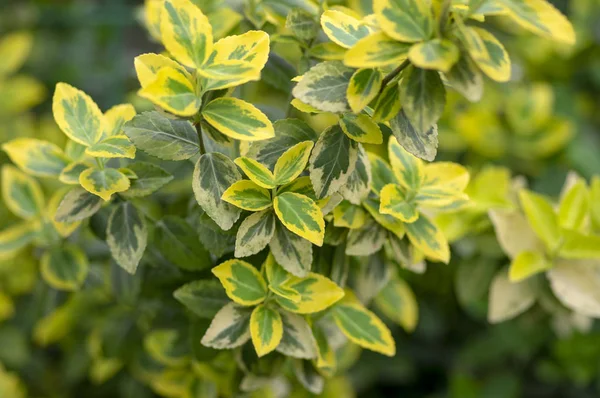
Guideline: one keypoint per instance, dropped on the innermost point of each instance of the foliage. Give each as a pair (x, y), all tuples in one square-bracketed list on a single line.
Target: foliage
[(217, 243)]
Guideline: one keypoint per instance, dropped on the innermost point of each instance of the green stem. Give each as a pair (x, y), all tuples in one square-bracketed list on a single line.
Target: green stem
[(100, 164), (445, 12), (390, 76)]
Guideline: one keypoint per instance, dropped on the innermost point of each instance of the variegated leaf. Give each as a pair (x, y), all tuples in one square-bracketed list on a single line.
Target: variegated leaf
[(301, 215), (366, 240), (242, 282), (266, 329), (230, 328), (103, 182), (238, 119), (116, 146), (255, 233), (64, 268), (291, 251), (297, 340), (428, 238), (247, 195), (36, 157), (292, 163), (405, 20), (316, 294), (324, 86), (376, 50), (21, 194), (127, 236), (363, 88), (343, 29), (173, 92), (361, 128)]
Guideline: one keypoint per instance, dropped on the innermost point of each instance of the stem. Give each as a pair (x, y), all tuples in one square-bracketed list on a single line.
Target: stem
[(200, 140), (390, 76), (444, 16), (100, 164)]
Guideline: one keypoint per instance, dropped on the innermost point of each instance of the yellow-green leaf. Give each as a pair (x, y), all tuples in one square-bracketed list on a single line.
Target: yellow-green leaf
[(247, 195), (21, 193), (64, 268), (77, 115), (63, 228), (103, 183), (292, 162), (429, 239), (36, 157), (364, 328), (71, 173), (14, 49), (238, 119), (574, 206), (396, 202), (363, 88), (349, 216), (173, 92), (186, 32), (398, 302), (15, 237), (343, 29), (242, 282), (361, 128), (526, 264), (541, 217), (266, 329), (375, 50), (301, 215), (116, 117), (438, 54), (408, 168), (148, 65), (405, 20), (316, 294), (116, 146), (277, 277), (257, 172), (488, 53), (387, 104)]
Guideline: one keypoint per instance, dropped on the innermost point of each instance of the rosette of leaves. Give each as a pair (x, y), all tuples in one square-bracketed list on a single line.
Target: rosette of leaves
[(558, 241)]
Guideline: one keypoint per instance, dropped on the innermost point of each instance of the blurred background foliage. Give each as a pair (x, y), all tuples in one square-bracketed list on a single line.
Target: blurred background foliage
[(542, 124)]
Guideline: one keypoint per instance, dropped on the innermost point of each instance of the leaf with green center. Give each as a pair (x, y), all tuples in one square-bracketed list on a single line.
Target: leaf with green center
[(422, 144), (227, 73), (332, 161), (527, 264), (366, 240), (324, 86), (361, 128), (387, 221), (103, 182), (77, 115), (186, 32), (349, 216), (292, 163), (242, 282), (116, 117), (277, 277), (238, 119), (387, 104), (423, 98), (230, 328), (78, 204), (36, 157), (165, 138), (302, 24), (116, 146), (443, 186), (328, 51), (358, 185), (148, 65), (395, 201), (203, 297), (256, 172), (21, 194), (487, 53), (542, 219), (363, 88), (405, 20), (466, 79), (364, 328), (247, 195), (64, 268), (326, 359), (213, 174), (376, 50), (398, 302), (127, 236), (297, 340), (437, 54), (381, 173), (301, 185), (316, 294), (173, 92), (291, 251), (178, 243), (254, 233), (301, 215), (150, 178), (408, 169), (266, 329), (15, 237), (343, 29), (429, 239)]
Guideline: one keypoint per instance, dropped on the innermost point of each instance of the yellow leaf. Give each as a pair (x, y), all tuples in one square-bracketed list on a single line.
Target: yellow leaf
[(173, 92), (116, 117), (148, 65)]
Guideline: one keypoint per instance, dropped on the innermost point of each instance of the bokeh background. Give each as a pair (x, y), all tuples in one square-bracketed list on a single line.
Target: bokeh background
[(543, 124)]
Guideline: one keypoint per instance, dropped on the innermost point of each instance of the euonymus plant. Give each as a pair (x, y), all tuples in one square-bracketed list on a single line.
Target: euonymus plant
[(284, 240)]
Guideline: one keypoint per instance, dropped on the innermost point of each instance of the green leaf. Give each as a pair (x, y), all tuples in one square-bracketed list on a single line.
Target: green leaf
[(387, 104), (363, 88), (527, 264), (15, 237), (398, 302), (332, 161), (396, 202), (436, 54), (266, 329), (302, 24), (316, 294), (576, 283), (157, 135), (247, 195), (203, 297), (186, 32), (422, 144), (36, 157), (277, 278), (64, 268), (150, 178), (213, 174), (116, 146), (349, 216), (381, 173), (324, 86), (361, 128), (408, 169), (405, 20), (256, 172), (429, 239), (364, 328), (103, 182), (242, 282), (576, 245), (376, 50), (297, 340), (173, 91), (291, 251), (358, 185), (238, 119), (466, 79), (78, 204), (343, 29), (292, 162), (179, 243), (423, 98), (574, 206), (126, 235), (541, 217), (255, 233), (230, 328), (508, 299), (21, 194), (167, 346), (301, 215), (366, 240)]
